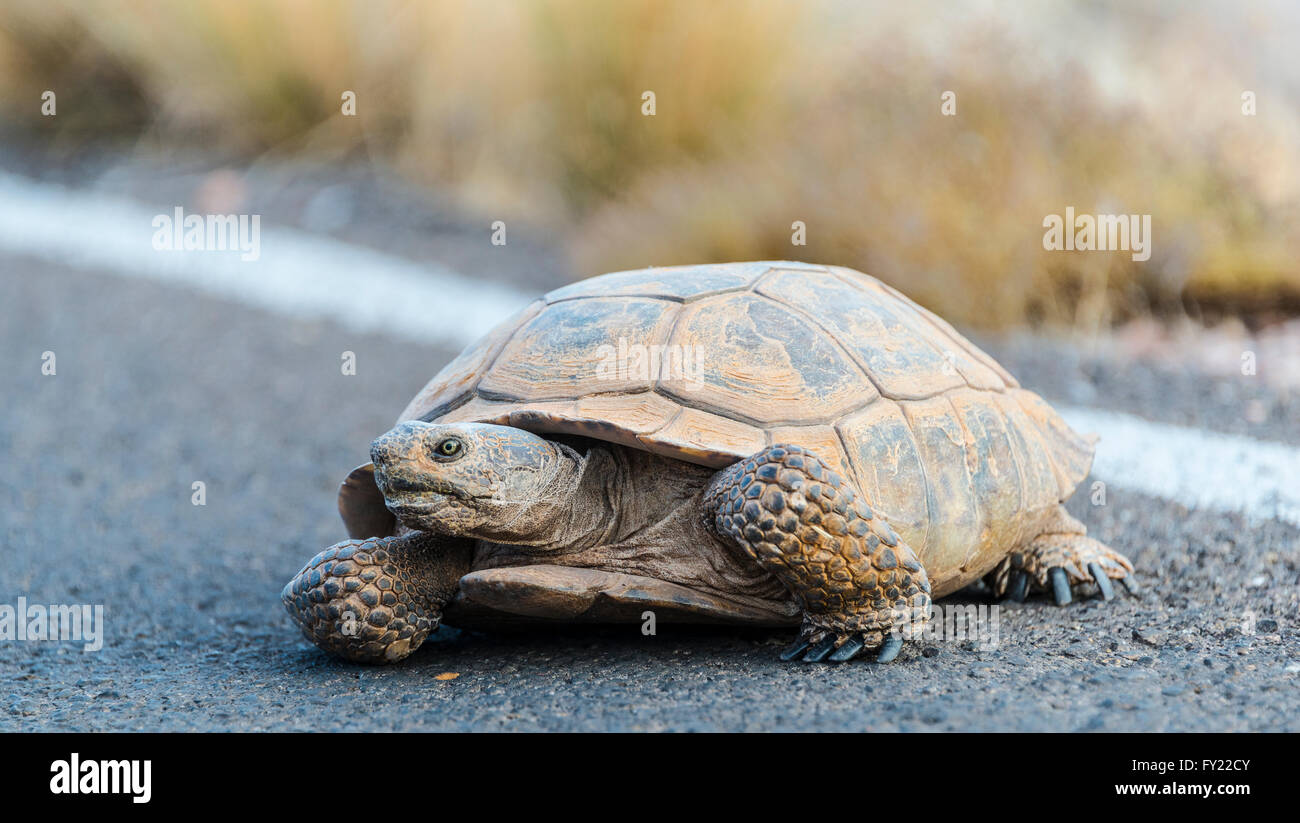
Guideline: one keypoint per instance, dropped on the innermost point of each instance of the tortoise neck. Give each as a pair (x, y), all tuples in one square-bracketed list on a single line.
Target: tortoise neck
[(566, 508), (604, 495)]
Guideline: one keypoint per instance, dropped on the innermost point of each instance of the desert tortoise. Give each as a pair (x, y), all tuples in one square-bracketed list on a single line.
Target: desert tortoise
[(766, 443)]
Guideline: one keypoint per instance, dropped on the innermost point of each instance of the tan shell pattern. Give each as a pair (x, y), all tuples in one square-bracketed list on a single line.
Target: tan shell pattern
[(711, 363)]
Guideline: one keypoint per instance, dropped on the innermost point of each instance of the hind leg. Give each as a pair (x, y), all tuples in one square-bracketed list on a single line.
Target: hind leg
[(1062, 557)]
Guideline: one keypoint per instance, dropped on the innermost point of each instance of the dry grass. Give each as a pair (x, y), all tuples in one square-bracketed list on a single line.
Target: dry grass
[(767, 112)]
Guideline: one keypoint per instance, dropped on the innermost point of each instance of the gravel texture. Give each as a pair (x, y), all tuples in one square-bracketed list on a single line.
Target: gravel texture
[(158, 388)]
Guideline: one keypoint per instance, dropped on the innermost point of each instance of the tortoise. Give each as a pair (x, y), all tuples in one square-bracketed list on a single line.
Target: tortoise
[(772, 444)]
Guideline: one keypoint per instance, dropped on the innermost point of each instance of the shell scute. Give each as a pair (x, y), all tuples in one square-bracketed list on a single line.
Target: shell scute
[(902, 356), (571, 349), (763, 362), (886, 460), (941, 445), (995, 476), (695, 436), (943, 326)]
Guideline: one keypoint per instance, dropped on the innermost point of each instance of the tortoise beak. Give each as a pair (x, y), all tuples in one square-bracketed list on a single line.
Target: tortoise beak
[(394, 454), (403, 442)]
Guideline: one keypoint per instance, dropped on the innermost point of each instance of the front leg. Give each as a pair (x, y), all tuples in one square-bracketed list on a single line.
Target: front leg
[(376, 600), (858, 584)]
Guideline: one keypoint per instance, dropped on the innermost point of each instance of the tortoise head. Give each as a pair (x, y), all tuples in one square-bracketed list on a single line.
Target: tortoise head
[(471, 479)]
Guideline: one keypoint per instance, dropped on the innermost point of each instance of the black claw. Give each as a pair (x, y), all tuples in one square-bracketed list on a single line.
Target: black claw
[(1103, 582), (848, 651), (1130, 583), (1018, 587), (893, 645), (818, 653), (795, 649), (1060, 585)]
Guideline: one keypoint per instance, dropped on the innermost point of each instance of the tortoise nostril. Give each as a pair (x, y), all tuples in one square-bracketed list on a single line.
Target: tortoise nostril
[(387, 449), (397, 444)]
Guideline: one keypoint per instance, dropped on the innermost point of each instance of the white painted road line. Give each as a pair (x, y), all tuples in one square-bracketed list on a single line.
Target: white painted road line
[(305, 275), (297, 274), (1198, 468)]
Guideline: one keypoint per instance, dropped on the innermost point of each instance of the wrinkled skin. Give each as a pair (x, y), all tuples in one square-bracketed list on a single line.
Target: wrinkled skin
[(491, 482)]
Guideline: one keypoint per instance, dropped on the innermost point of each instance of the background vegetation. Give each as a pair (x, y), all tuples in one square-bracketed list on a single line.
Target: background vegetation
[(768, 112)]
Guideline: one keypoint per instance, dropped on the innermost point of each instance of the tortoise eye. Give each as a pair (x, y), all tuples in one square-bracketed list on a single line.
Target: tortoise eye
[(450, 447)]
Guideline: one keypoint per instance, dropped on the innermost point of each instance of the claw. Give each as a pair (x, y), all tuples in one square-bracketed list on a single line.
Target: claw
[(893, 645), (848, 651), (1103, 582), (1130, 583), (1018, 587), (1060, 585), (818, 653), (796, 649)]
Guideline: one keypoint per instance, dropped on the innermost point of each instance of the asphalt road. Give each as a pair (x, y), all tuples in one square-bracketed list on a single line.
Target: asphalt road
[(158, 387)]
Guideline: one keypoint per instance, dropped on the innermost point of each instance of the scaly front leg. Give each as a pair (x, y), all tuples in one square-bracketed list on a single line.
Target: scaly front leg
[(376, 600), (859, 585)]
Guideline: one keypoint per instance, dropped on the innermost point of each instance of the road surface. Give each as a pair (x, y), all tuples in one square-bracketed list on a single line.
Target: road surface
[(165, 378)]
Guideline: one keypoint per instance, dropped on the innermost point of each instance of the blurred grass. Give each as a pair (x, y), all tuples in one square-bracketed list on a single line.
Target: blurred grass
[(767, 112)]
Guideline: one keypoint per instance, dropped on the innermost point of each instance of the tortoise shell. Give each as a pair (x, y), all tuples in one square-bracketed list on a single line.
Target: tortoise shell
[(709, 364)]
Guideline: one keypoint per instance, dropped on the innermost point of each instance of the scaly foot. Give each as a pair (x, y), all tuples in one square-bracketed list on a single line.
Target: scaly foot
[(376, 600), (1061, 558)]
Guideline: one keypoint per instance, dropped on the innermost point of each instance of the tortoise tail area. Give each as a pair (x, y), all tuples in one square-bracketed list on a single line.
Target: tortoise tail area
[(1070, 453)]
